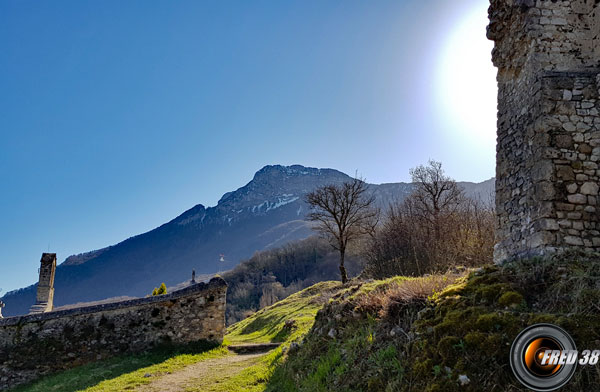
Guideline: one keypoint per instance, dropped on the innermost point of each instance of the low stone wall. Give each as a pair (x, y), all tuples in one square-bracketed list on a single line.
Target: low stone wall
[(38, 344)]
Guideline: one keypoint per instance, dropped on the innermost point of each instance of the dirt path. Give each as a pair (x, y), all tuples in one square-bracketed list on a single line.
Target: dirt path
[(205, 372)]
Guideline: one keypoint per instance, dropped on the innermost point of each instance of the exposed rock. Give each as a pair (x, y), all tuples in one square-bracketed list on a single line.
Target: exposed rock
[(290, 324), (577, 199), (463, 380), (294, 346), (398, 331)]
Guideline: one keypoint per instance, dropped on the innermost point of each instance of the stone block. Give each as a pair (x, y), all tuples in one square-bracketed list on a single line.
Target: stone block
[(589, 188), (577, 198), (572, 240)]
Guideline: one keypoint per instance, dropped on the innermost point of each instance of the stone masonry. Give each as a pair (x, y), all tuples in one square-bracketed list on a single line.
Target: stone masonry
[(547, 176), (44, 301), (38, 344)]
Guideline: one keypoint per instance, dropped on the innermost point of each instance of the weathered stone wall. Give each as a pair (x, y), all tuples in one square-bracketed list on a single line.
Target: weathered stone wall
[(548, 58), (37, 344)]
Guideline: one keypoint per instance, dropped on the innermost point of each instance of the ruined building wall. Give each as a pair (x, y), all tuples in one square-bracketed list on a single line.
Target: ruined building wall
[(44, 301), (547, 53), (38, 344)]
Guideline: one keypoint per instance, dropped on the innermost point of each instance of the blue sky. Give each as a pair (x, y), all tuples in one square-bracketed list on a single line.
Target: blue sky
[(117, 116)]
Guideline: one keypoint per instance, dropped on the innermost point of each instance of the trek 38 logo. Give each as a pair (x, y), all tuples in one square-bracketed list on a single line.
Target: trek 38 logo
[(544, 357)]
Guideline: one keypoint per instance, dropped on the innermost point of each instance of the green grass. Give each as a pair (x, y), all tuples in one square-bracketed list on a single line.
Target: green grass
[(267, 325), (471, 322), (446, 327), (125, 372), (369, 287), (362, 355)]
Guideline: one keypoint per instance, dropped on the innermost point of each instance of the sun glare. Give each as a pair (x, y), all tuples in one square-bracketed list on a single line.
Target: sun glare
[(467, 80)]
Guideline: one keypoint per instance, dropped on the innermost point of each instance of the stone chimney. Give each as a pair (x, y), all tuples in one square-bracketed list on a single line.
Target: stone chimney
[(548, 153), (45, 289)]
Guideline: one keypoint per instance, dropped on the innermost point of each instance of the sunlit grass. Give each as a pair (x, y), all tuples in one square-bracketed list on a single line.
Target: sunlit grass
[(267, 325), (125, 372)]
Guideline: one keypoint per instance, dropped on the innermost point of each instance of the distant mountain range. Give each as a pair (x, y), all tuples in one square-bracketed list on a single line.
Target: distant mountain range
[(267, 212)]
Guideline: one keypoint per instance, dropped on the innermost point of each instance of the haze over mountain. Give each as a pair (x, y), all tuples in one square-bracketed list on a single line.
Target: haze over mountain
[(267, 212)]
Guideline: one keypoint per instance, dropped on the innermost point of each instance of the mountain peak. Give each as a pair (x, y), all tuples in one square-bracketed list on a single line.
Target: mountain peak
[(286, 170), (277, 180), (295, 170)]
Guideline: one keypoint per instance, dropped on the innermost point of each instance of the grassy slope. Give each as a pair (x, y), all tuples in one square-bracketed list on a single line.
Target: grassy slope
[(268, 325), (350, 347), (282, 271), (386, 342)]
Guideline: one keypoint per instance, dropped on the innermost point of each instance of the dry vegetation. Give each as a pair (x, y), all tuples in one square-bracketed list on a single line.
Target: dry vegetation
[(399, 293), (434, 229)]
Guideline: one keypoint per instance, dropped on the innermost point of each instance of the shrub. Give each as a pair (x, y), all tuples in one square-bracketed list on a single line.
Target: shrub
[(433, 229), (160, 291), (410, 244)]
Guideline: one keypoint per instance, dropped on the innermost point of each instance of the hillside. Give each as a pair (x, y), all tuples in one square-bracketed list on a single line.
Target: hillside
[(271, 275), (267, 212), (399, 335)]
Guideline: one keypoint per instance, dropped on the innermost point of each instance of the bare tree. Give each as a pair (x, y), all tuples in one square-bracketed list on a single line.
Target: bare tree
[(343, 214), (434, 228), (435, 193)]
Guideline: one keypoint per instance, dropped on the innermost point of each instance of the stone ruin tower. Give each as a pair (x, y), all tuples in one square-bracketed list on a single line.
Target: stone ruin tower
[(45, 289), (548, 154)]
